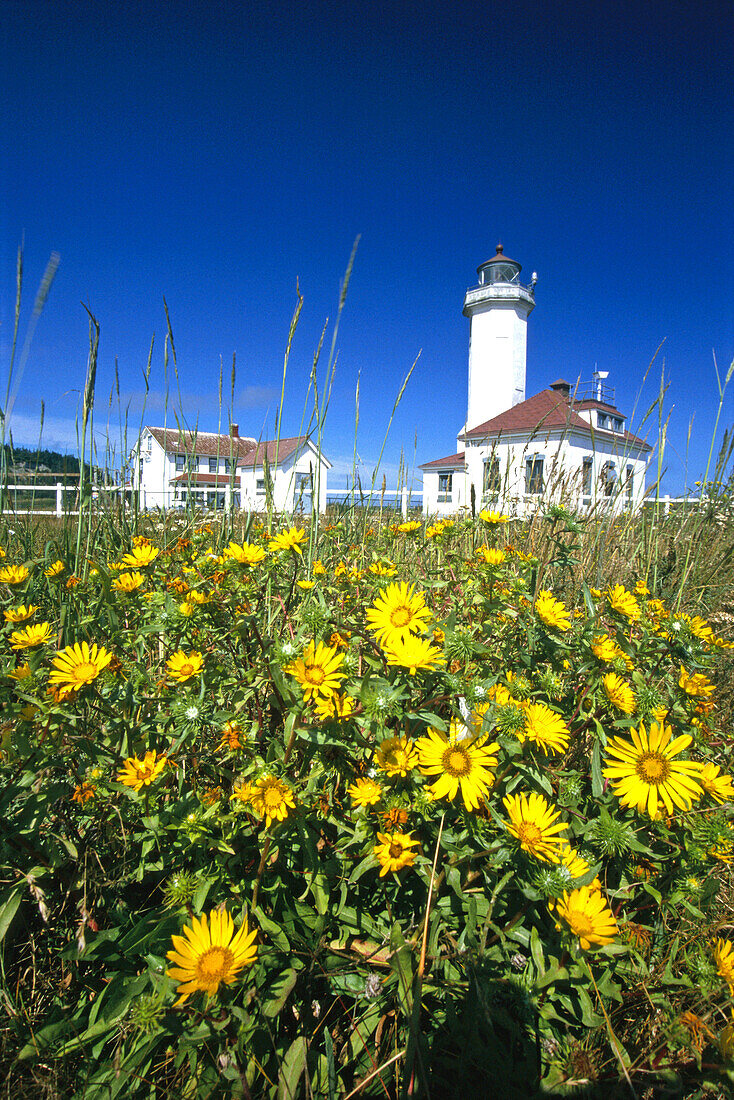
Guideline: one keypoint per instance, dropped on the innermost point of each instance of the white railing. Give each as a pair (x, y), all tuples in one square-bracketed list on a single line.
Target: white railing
[(375, 495), (9, 492)]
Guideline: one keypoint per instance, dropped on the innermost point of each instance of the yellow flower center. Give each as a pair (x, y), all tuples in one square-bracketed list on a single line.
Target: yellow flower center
[(400, 617), (84, 672), (456, 762), (272, 798), (214, 966), (314, 674), (528, 833), (186, 669), (653, 767), (580, 922)]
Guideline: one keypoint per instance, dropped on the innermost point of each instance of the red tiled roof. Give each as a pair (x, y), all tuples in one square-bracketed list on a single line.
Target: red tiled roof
[(195, 479), (546, 410), (451, 462), (284, 447), (202, 443)]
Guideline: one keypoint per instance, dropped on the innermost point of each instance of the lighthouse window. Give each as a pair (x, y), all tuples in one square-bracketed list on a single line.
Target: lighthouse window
[(586, 469), (534, 475), (608, 478), (445, 482), (492, 476), (630, 483)]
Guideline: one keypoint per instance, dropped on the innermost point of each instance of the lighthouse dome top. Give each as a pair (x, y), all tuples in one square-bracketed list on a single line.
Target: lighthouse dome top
[(500, 269)]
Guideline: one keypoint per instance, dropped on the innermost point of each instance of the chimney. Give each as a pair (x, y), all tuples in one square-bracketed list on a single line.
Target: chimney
[(561, 387), (234, 431)]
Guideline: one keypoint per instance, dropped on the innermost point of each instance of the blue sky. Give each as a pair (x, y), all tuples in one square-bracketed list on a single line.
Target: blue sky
[(214, 154)]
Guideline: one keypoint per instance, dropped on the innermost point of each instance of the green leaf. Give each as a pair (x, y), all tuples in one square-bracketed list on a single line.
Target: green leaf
[(8, 909), (292, 1069), (597, 780), (280, 991)]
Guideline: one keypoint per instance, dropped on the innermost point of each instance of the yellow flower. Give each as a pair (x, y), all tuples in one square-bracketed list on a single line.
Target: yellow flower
[(128, 582), (533, 823), (137, 773), (245, 554), (186, 609), (77, 665), (335, 708), (623, 602), (317, 671), (606, 649), (272, 799), (394, 851), (699, 628), (383, 569), (410, 527), (569, 858), (460, 764), (182, 666), (396, 755), (413, 653), (695, 684), (306, 585), (492, 517), (33, 635), (292, 539), (140, 556), (544, 728), (587, 913), (364, 792), (20, 614), (54, 570), (22, 672), (209, 954), (718, 786), (619, 693), (397, 612), (319, 569), (243, 791), (230, 736), (552, 612), (645, 774), (724, 959), (490, 555), (13, 574)]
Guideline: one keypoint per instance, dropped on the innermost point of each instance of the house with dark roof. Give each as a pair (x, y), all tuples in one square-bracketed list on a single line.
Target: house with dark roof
[(171, 468), (565, 444)]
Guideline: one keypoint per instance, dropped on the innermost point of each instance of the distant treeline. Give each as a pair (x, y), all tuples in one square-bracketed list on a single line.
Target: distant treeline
[(33, 459)]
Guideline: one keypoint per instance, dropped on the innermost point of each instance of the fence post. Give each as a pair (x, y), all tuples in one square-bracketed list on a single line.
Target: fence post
[(404, 501), (59, 498)]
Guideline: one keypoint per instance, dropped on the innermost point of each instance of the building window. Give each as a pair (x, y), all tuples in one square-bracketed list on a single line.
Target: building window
[(180, 463), (601, 420), (630, 482), (227, 466), (445, 483), (213, 465), (618, 424), (492, 478), (534, 475), (260, 486), (608, 478), (586, 471)]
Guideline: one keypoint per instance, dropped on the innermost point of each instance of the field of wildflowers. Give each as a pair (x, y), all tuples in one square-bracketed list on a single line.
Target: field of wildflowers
[(390, 811)]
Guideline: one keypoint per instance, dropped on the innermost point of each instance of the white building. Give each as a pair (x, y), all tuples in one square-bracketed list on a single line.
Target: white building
[(172, 469), (565, 445)]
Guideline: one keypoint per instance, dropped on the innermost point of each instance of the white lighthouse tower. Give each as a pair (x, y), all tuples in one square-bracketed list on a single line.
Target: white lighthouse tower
[(498, 310)]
